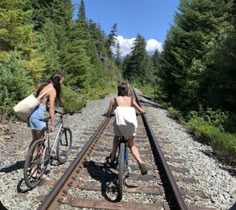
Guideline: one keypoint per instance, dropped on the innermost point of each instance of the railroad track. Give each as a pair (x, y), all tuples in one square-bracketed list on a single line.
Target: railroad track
[(89, 184)]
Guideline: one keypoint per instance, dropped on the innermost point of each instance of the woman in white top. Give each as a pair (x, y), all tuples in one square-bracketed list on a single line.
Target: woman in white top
[(123, 100)]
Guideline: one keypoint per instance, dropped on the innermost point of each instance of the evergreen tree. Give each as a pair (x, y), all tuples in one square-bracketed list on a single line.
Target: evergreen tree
[(186, 50), (118, 55), (81, 13), (58, 11), (16, 30), (138, 64), (111, 40)]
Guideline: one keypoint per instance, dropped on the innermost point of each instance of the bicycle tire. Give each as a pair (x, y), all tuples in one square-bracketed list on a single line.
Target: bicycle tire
[(121, 169), (64, 145), (36, 160)]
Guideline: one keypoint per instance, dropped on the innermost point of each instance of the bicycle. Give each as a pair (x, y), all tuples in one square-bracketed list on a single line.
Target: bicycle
[(41, 153), (122, 164)]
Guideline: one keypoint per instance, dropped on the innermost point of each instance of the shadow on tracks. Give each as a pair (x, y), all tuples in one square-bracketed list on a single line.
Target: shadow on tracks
[(227, 164), (107, 177), (2, 207), (21, 187), (13, 167), (233, 207)]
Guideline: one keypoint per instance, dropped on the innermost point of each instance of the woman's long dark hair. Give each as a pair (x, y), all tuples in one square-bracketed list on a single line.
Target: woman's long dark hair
[(122, 89), (55, 80)]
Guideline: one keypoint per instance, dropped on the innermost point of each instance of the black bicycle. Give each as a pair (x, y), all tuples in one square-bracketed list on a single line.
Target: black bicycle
[(121, 163), (42, 152)]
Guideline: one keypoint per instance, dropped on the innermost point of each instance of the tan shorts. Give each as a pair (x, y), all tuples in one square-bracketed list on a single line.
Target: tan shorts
[(117, 131)]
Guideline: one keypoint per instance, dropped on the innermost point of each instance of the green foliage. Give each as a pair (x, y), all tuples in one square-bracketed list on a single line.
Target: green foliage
[(15, 31), (15, 81), (48, 45), (216, 118), (137, 64), (111, 41), (58, 11), (175, 114), (81, 12), (147, 89), (186, 63), (220, 141), (71, 100)]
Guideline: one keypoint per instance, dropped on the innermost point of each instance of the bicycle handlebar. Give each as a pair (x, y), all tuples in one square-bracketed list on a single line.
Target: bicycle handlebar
[(65, 113), (112, 114)]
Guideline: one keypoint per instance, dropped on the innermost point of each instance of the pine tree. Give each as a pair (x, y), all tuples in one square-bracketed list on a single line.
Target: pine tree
[(138, 64), (197, 27), (16, 30), (81, 13), (111, 40)]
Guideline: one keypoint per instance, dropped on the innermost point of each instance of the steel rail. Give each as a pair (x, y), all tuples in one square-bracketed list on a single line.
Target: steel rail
[(52, 198), (178, 199)]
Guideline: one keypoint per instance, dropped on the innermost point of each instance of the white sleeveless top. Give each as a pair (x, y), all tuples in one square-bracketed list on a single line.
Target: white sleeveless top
[(125, 123)]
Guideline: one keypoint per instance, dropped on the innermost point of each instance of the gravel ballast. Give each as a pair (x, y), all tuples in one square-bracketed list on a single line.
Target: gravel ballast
[(213, 177)]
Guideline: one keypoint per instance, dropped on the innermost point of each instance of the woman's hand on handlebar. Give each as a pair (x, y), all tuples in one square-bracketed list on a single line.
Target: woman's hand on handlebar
[(52, 128), (140, 113), (108, 114)]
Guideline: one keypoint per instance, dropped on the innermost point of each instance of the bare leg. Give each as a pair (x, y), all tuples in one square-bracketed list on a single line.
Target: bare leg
[(135, 153), (114, 147), (36, 135), (134, 149)]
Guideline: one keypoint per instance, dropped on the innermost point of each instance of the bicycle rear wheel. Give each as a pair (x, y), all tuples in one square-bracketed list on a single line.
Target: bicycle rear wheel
[(36, 163), (121, 168), (64, 145)]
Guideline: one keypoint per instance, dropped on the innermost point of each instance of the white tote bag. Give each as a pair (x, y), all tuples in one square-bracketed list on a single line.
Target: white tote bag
[(26, 106)]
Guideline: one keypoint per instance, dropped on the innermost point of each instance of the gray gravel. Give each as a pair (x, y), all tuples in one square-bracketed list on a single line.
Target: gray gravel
[(213, 179)]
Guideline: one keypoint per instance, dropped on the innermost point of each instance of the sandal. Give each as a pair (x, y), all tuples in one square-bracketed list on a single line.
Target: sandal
[(143, 168)]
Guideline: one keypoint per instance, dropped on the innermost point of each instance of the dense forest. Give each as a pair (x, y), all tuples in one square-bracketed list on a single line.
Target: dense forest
[(193, 76), (39, 38)]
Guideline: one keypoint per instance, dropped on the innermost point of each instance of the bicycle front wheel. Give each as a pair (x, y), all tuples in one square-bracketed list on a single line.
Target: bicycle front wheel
[(36, 163), (64, 145), (121, 167)]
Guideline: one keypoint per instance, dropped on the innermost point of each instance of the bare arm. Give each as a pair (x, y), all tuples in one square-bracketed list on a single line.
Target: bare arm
[(137, 106), (52, 96), (110, 108)]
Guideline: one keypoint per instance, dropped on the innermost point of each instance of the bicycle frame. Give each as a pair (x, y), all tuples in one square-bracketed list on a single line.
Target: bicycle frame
[(56, 138), (126, 156), (62, 137), (122, 160)]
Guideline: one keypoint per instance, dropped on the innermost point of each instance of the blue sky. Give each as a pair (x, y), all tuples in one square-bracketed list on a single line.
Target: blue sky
[(150, 18)]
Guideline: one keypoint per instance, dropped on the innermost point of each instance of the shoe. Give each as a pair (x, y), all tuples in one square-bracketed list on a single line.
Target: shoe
[(143, 168)]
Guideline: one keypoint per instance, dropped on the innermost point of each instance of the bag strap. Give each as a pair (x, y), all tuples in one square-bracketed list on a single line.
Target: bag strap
[(44, 93)]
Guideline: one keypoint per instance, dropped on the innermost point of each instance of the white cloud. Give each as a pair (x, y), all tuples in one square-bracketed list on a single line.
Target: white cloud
[(127, 44), (153, 45)]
